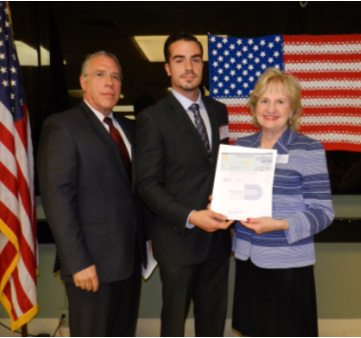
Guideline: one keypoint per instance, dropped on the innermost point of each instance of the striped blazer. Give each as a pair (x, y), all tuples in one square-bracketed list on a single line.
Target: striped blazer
[(301, 196)]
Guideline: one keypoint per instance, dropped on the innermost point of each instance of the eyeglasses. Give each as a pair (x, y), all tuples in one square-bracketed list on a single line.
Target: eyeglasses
[(101, 75)]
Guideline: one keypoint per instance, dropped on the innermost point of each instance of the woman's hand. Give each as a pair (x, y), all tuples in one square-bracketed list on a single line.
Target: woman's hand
[(262, 225)]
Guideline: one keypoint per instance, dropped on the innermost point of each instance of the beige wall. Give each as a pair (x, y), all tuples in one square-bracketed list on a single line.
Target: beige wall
[(337, 270)]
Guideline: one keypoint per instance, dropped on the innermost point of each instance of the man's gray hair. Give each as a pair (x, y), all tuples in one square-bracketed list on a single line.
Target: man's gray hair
[(84, 67)]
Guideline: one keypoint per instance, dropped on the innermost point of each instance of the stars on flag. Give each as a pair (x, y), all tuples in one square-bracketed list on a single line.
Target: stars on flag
[(236, 64), (7, 75)]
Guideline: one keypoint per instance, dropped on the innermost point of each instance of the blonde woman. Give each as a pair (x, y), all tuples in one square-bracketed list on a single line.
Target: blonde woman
[(275, 289)]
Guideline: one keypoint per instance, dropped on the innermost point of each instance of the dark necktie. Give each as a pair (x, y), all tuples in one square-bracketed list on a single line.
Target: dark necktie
[(117, 138), (200, 126)]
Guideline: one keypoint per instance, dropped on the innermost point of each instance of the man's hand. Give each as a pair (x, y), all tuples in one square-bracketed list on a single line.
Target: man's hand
[(209, 220), (87, 279)]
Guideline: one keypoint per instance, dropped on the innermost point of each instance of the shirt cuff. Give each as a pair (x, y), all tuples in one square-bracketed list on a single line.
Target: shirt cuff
[(189, 225)]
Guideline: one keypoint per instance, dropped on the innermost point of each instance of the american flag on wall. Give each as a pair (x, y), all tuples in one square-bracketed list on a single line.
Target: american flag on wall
[(329, 70), (17, 206)]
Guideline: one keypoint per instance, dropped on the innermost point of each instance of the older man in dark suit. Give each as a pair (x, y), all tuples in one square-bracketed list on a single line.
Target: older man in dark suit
[(176, 147), (86, 182)]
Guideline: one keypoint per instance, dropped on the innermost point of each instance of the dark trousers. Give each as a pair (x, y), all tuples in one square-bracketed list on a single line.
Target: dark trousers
[(207, 285), (112, 311)]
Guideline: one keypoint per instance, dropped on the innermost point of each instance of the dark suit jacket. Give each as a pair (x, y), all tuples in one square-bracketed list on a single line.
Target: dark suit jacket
[(89, 202), (175, 177)]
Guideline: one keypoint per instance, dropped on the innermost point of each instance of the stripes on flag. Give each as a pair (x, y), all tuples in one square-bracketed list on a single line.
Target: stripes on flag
[(18, 291), (329, 70)]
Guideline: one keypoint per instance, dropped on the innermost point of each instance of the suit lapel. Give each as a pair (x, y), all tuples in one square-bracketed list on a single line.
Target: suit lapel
[(183, 119), (214, 125), (102, 133), (129, 133)]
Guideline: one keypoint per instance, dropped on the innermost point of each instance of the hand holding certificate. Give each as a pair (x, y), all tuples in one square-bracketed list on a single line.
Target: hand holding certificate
[(244, 181)]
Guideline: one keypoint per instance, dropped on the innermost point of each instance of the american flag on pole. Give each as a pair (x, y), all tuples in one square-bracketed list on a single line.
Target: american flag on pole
[(329, 70), (18, 291)]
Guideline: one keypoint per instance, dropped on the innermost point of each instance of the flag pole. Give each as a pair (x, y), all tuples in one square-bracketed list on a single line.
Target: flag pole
[(24, 330)]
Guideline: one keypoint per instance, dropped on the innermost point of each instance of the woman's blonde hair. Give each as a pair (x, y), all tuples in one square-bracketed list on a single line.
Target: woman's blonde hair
[(293, 92)]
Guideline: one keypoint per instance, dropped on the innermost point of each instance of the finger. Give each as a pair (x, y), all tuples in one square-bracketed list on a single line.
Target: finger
[(95, 285), (225, 225), (229, 223), (218, 216), (247, 225), (89, 285), (76, 281)]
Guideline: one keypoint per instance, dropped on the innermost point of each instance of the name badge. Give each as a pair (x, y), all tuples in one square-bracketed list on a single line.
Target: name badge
[(282, 159), (223, 132)]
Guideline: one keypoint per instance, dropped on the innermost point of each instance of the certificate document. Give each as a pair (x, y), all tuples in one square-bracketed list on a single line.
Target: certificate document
[(244, 182)]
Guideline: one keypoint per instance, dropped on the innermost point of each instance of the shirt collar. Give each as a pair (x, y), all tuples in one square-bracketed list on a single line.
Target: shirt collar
[(185, 102), (285, 140), (282, 143), (98, 114)]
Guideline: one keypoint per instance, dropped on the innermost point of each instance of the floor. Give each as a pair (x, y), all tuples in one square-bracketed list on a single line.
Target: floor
[(150, 328)]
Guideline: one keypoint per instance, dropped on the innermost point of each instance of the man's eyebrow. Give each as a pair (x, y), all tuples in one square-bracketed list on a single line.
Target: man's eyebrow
[(178, 57), (183, 56)]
